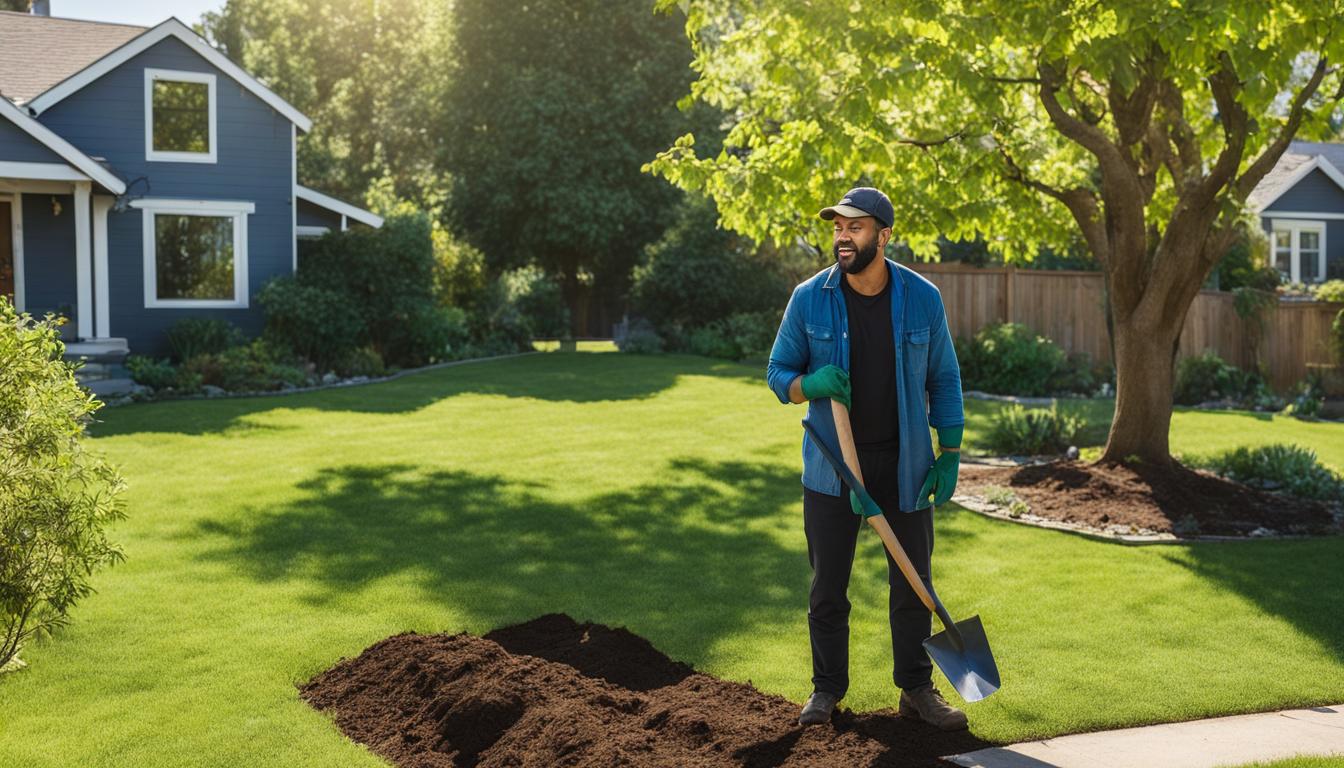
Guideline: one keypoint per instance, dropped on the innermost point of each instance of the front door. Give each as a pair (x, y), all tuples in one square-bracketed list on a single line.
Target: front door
[(6, 251)]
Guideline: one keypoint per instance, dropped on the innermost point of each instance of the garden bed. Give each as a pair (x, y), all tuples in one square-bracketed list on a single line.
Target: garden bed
[(552, 691), (1142, 501)]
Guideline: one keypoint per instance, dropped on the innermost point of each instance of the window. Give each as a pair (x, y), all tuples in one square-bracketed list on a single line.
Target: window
[(179, 116), (1299, 250), (195, 252)]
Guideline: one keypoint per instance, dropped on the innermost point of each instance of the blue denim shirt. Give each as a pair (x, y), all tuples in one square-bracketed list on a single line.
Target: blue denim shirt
[(815, 332)]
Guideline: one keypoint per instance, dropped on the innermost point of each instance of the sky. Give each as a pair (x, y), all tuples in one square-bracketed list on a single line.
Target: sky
[(145, 13)]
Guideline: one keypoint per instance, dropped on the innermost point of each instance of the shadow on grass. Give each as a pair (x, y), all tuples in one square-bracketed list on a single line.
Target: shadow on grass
[(578, 377), (1301, 582)]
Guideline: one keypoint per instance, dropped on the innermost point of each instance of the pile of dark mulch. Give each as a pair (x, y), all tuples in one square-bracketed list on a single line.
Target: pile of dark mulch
[(1107, 495), (554, 692)]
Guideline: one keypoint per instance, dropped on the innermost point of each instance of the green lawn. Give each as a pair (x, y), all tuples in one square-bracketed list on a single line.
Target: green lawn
[(269, 537)]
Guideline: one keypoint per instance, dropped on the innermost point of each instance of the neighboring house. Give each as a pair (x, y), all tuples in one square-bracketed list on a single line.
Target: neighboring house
[(1301, 207), (144, 178)]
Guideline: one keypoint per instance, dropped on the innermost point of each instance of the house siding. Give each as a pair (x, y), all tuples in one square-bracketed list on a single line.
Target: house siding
[(18, 147), (1315, 193), (107, 119), (316, 216), (49, 258)]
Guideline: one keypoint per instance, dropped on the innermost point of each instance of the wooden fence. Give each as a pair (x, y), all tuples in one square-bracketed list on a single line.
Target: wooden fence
[(1068, 307)]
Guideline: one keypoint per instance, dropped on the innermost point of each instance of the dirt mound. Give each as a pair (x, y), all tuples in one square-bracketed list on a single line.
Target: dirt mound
[(554, 692), (1117, 497)]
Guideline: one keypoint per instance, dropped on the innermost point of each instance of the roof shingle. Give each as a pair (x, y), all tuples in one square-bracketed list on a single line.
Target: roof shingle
[(37, 52)]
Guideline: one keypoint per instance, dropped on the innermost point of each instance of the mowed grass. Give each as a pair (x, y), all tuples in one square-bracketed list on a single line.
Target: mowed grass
[(268, 538)]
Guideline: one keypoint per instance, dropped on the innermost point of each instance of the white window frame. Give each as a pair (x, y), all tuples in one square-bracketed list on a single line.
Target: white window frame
[(237, 210), (15, 235), (1296, 227), (179, 76)]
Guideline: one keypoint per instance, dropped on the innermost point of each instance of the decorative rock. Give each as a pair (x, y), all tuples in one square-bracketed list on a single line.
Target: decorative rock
[(329, 377), (1072, 453), (210, 390), (1262, 532)]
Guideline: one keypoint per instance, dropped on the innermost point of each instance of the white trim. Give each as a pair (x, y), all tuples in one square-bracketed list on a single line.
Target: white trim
[(307, 231), (40, 171), (15, 200), (177, 156), (83, 261), (169, 28), (1302, 215), (345, 222), (1300, 173), (101, 312), (293, 199), (64, 149), (204, 207), (337, 206), (237, 210), (1297, 227)]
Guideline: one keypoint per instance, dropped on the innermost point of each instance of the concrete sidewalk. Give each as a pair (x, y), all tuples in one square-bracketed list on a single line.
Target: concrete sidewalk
[(1222, 741)]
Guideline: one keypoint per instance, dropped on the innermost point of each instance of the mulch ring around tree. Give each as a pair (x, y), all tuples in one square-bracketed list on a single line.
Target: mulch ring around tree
[(1146, 501), (554, 692)]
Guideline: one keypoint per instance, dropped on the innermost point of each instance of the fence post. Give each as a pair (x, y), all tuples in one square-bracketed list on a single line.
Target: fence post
[(1008, 293)]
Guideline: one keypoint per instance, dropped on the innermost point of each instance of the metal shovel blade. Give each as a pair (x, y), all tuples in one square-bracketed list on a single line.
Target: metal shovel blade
[(970, 668)]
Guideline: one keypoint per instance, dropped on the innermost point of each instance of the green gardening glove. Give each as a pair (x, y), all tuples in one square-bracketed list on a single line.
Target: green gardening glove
[(942, 478), (827, 381)]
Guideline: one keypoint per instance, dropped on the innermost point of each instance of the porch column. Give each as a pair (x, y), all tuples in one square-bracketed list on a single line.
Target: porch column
[(101, 205), (83, 260)]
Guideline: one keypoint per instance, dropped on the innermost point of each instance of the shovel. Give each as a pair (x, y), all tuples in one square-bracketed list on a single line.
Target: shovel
[(961, 650)]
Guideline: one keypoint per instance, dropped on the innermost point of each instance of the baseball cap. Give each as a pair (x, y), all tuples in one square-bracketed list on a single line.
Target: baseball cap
[(862, 201)]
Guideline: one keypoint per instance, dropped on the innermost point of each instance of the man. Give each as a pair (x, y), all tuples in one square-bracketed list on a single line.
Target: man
[(873, 335)]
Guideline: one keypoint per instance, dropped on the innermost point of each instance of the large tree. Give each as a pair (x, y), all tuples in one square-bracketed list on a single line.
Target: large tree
[(553, 107), (1142, 125)]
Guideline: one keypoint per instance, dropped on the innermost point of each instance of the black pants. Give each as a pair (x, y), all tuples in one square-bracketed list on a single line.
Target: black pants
[(832, 529)]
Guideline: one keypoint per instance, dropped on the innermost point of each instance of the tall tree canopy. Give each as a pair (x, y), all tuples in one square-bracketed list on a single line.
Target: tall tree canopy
[(370, 74), (553, 107), (1142, 125)]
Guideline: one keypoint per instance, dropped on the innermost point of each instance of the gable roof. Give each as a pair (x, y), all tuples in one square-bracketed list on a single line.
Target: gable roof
[(118, 55), (67, 152), (1299, 160), (27, 44)]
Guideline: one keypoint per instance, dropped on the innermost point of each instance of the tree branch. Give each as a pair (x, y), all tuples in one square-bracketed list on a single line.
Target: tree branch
[(1267, 159)]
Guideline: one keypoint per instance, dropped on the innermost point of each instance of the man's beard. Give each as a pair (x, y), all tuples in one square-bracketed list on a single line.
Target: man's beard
[(862, 258)]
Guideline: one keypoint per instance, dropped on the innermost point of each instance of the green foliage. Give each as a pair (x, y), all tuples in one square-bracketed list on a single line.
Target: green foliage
[(1246, 263), (1207, 376), (1337, 335), (459, 271), (1031, 431), (1330, 290), (1307, 397), (364, 361), (192, 336), (255, 367), (497, 326), (1010, 358), (1289, 468), (640, 339), (56, 498), (539, 300), (156, 374), (314, 323)]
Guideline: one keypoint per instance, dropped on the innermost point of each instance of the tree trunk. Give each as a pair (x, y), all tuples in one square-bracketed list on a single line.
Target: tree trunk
[(1145, 360)]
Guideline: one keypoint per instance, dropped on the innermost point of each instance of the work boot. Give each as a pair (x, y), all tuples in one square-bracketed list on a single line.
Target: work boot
[(928, 704), (818, 708)]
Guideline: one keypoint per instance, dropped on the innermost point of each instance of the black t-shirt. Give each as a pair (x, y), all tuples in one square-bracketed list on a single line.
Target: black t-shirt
[(872, 378)]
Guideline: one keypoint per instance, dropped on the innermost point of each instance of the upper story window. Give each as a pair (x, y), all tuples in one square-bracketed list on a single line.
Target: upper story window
[(180, 116)]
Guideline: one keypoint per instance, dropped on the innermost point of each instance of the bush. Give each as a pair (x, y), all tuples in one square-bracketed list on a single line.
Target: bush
[(364, 361), (155, 374), (1337, 336), (1207, 377), (1010, 359), (192, 336), (314, 323), (1308, 396), (539, 301), (1330, 290), (1289, 468), (56, 498), (497, 326), (255, 367), (640, 339), (1019, 430)]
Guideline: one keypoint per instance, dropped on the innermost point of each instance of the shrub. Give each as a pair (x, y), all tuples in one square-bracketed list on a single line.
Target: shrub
[(434, 334), (314, 323), (56, 498), (1307, 397), (192, 336), (640, 339), (1290, 468), (1330, 290), (712, 341), (1337, 335), (1010, 359), (254, 367), (364, 361), (1207, 376), (539, 300), (1018, 430), (497, 326), (156, 374)]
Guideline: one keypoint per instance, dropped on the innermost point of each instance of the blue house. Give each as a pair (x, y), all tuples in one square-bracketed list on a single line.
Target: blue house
[(1301, 207), (144, 178)]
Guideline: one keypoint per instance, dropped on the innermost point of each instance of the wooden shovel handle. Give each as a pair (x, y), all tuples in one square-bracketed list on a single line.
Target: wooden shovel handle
[(878, 522)]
